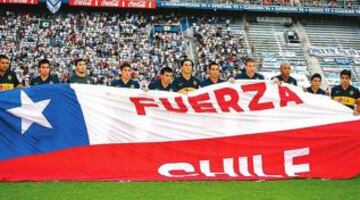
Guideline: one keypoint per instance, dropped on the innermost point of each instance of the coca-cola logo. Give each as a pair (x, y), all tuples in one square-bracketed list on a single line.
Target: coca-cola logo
[(110, 3), (137, 3), (83, 2), (19, 1)]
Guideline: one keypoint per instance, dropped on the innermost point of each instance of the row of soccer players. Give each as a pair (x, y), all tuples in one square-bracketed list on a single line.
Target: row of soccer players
[(185, 83), (344, 93)]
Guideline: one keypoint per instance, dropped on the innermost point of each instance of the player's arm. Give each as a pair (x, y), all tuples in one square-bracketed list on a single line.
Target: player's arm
[(137, 85), (175, 86), (32, 82), (332, 93), (16, 82), (357, 102), (56, 79), (19, 86)]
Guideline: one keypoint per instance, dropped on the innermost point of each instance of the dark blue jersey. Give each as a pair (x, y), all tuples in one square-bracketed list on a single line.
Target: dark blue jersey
[(180, 84), (319, 91), (83, 80), (9, 81), (244, 76), (347, 97), (208, 82), (130, 84), (290, 80), (156, 85), (50, 80)]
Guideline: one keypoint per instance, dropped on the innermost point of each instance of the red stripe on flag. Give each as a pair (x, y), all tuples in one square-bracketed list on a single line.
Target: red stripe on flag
[(330, 151)]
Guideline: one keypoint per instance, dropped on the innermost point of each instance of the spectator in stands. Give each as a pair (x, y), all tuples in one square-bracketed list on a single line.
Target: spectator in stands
[(8, 79), (45, 77), (214, 73), (101, 38), (315, 85), (80, 75), (249, 71), (186, 82), (164, 83), (266, 2), (284, 77), (215, 41), (349, 5), (65, 77), (345, 93), (125, 80), (332, 4)]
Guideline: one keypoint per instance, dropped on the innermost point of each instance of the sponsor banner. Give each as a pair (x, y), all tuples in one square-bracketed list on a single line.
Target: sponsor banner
[(140, 4), (277, 20), (87, 3), (115, 3), (259, 8), (328, 60), (19, 1), (288, 54), (342, 61), (248, 130), (333, 52), (108, 3), (357, 61)]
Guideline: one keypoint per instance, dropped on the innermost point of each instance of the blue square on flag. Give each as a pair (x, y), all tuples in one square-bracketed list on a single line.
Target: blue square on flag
[(39, 120)]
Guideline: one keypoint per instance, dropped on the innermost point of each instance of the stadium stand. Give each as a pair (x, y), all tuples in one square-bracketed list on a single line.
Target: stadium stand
[(152, 41), (268, 38), (101, 38), (335, 34), (220, 40)]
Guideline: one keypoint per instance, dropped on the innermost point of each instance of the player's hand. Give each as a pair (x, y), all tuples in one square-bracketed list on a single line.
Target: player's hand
[(276, 81), (328, 91), (231, 80), (20, 86), (357, 110), (356, 113)]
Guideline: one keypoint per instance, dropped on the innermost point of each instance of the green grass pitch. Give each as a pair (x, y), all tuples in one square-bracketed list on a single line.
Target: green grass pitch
[(283, 190)]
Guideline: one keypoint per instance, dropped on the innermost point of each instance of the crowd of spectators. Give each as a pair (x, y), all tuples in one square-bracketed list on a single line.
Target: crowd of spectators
[(104, 40), (216, 42)]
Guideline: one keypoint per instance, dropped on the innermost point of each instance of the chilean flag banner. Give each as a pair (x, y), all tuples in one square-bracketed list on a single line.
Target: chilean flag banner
[(249, 130)]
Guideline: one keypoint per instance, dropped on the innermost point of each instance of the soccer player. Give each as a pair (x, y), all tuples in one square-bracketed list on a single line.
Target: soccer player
[(284, 77), (186, 82), (315, 85), (214, 72), (249, 71), (345, 93), (45, 77), (8, 79), (164, 83), (125, 80), (80, 73)]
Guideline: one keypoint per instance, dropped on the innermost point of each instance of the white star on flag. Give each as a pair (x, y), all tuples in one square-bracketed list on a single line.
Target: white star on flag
[(30, 112)]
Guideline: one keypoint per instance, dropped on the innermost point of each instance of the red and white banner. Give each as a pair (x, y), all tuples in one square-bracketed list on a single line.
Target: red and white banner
[(86, 3), (140, 4), (108, 3), (149, 4), (249, 130), (19, 1)]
